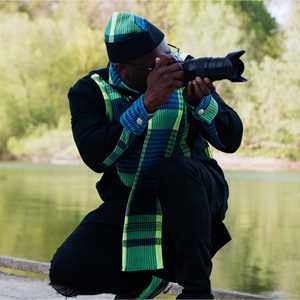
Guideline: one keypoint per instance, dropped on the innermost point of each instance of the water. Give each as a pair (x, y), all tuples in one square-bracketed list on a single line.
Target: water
[(41, 204)]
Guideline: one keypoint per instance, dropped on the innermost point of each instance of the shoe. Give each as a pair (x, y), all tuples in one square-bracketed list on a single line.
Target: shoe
[(154, 288), (185, 295), (64, 290), (200, 289)]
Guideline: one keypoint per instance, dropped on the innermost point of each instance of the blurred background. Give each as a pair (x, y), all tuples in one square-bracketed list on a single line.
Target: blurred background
[(45, 189), (47, 45)]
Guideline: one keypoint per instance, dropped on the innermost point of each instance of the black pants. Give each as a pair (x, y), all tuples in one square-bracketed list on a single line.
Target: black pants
[(191, 200)]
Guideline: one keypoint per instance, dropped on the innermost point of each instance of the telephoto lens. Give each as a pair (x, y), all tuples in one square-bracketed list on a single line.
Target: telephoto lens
[(229, 67)]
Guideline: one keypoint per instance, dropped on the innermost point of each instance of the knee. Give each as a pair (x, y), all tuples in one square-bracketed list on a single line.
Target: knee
[(58, 277), (54, 273), (171, 166), (54, 269), (176, 169), (64, 290)]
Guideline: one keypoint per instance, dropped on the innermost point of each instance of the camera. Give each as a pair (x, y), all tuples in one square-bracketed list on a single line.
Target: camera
[(229, 67)]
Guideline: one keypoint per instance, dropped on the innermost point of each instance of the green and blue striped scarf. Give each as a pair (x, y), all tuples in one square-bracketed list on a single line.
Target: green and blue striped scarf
[(166, 136)]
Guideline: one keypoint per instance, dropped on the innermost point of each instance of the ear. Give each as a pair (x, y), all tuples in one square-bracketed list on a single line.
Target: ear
[(121, 69)]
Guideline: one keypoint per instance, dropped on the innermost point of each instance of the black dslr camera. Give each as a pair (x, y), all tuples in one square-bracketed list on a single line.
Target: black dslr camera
[(215, 68)]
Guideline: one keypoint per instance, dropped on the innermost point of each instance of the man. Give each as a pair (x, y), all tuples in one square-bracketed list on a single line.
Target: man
[(164, 196)]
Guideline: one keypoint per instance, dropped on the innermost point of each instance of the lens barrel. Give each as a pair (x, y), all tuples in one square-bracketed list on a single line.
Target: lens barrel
[(230, 67)]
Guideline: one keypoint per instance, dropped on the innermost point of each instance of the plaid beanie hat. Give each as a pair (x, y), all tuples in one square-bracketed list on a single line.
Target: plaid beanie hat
[(128, 37)]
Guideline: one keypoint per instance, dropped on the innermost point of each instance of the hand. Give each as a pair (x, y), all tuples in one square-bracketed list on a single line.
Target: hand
[(166, 76), (197, 88)]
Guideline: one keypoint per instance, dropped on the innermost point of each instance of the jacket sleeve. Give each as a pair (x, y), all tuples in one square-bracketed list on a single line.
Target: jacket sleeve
[(220, 125), (101, 142)]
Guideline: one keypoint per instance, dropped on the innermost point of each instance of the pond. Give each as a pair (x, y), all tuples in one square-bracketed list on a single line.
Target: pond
[(41, 204)]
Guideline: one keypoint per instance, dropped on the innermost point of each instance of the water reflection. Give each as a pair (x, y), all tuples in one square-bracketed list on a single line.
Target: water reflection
[(41, 204), (264, 222)]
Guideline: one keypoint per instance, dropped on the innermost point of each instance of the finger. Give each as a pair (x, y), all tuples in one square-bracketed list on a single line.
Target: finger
[(192, 90), (209, 84), (197, 91), (189, 89), (202, 86), (174, 67), (178, 75), (173, 83), (171, 76), (170, 68)]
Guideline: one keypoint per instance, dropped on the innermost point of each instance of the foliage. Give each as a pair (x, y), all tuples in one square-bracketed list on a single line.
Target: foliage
[(271, 113), (259, 29), (49, 44), (41, 59)]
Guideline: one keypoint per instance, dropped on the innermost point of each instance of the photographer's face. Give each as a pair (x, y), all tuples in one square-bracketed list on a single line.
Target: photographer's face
[(135, 73)]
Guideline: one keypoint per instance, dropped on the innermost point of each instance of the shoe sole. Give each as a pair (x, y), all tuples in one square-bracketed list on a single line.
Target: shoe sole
[(155, 287)]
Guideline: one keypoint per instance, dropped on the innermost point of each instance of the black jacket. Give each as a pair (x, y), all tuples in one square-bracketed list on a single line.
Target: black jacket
[(95, 137)]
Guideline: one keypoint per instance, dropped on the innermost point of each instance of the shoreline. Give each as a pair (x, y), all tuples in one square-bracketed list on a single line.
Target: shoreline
[(227, 161), (258, 163), (15, 285)]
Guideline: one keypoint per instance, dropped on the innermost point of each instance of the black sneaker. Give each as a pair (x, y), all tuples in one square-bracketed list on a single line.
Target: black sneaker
[(185, 295), (64, 290), (154, 288)]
